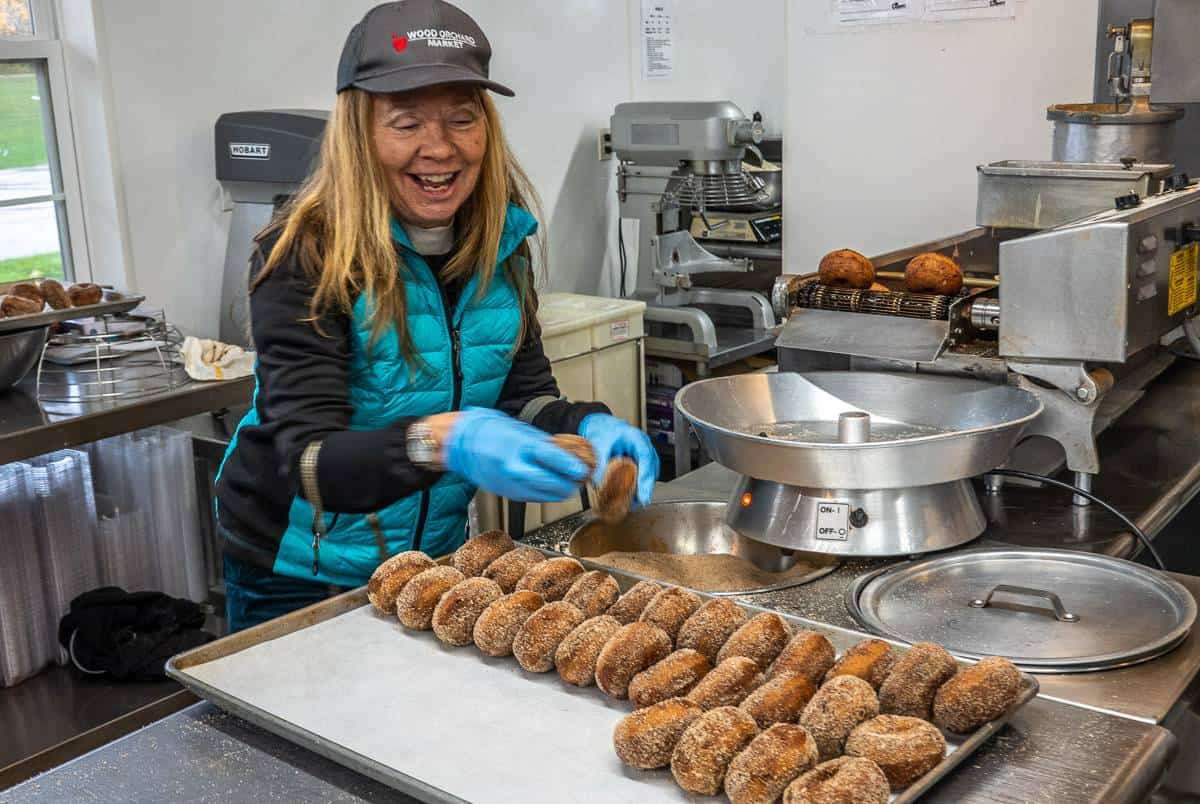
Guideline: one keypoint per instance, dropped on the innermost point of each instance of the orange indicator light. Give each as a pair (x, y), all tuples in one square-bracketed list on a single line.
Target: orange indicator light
[(747, 498)]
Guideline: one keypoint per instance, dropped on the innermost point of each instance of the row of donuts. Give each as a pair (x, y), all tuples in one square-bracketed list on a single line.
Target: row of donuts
[(681, 661)]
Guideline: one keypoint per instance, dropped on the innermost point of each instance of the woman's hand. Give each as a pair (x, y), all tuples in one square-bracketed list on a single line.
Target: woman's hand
[(612, 437), (510, 458)]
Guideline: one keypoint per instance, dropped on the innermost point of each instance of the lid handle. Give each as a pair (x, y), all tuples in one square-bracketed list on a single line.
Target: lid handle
[(1060, 612)]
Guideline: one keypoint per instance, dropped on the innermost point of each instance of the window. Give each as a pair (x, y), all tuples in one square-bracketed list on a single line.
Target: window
[(40, 215)]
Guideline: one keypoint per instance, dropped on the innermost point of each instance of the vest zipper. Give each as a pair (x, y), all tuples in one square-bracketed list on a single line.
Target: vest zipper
[(455, 401)]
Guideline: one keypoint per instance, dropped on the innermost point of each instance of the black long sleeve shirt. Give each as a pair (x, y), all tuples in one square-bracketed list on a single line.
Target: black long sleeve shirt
[(303, 396)]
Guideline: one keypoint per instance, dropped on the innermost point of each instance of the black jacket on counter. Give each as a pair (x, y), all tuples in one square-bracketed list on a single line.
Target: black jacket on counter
[(301, 396)]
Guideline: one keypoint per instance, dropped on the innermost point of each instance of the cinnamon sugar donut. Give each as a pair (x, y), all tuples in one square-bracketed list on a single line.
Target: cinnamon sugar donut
[(845, 780), (710, 626), (539, 637), (670, 678), (779, 700), (871, 660), (708, 745), (647, 737), (727, 684), (593, 593), (810, 654), (390, 577), (630, 651), (419, 597), (551, 578), (455, 614), (473, 557), (512, 566), (670, 608), (630, 605), (841, 704), (773, 759), (904, 748), (977, 694), (761, 638), (576, 655), (497, 626), (614, 498), (578, 446), (915, 679)]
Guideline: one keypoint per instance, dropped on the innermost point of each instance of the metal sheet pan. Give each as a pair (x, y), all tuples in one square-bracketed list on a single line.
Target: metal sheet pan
[(113, 302), (337, 678)]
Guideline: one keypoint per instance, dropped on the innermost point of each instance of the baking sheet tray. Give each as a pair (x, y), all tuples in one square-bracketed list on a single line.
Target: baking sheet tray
[(113, 302), (447, 724)]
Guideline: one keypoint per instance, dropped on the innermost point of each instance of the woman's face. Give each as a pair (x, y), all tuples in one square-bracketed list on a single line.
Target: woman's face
[(430, 144)]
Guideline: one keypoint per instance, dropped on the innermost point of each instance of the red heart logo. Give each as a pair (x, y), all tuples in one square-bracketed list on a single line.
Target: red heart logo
[(399, 42)]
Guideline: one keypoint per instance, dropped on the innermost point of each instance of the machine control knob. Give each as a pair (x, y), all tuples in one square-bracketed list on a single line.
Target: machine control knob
[(1148, 244), (1178, 181), (858, 518), (1128, 201)]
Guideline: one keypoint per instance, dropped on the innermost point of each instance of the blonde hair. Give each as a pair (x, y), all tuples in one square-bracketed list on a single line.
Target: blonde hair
[(339, 225)]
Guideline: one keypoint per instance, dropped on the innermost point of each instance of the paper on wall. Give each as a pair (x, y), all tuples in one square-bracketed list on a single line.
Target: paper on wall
[(943, 10), (658, 57), (874, 12)]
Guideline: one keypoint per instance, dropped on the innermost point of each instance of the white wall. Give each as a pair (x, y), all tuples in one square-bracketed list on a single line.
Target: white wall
[(173, 67), (887, 124)]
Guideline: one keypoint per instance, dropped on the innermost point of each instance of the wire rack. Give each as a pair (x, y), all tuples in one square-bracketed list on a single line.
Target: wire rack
[(721, 191), (112, 359)]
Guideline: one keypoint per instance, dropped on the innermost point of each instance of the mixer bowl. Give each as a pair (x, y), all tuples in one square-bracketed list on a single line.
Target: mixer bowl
[(924, 429), (19, 352)]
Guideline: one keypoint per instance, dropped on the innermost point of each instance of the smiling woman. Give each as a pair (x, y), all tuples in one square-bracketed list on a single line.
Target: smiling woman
[(400, 365)]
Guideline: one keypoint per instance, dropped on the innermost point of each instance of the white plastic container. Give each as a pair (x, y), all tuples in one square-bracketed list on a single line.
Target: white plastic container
[(596, 349)]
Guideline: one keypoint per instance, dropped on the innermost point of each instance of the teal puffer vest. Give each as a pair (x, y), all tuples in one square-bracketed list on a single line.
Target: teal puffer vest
[(383, 389)]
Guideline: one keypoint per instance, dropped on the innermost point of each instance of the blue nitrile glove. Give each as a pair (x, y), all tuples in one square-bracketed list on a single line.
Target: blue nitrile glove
[(511, 459), (612, 437)]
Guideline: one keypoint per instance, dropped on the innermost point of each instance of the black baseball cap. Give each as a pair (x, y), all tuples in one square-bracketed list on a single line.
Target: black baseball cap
[(415, 43)]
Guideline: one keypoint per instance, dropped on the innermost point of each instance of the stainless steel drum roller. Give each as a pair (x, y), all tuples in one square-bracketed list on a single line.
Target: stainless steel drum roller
[(857, 463)]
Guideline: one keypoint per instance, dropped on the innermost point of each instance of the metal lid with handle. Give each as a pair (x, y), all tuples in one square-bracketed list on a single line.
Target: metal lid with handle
[(1049, 611)]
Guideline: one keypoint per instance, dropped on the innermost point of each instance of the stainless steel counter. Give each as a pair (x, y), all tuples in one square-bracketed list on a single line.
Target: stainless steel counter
[(25, 431)]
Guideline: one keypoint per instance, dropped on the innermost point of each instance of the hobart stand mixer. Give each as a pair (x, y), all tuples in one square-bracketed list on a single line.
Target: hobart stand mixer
[(857, 463)]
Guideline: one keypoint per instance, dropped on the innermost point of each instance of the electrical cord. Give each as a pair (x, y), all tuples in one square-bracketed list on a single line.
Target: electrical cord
[(621, 245), (1068, 487)]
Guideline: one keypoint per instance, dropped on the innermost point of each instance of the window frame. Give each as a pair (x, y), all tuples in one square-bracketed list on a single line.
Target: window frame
[(44, 46)]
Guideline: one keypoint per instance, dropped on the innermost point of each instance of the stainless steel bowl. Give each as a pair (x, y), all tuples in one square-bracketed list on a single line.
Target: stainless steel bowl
[(923, 429), (691, 528), (19, 352)]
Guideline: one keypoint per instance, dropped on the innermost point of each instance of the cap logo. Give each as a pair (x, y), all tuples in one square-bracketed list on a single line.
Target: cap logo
[(443, 38), (399, 43)]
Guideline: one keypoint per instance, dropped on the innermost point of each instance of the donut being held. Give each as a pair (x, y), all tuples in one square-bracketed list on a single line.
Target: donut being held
[(904, 748), (670, 608), (509, 568), (647, 737), (846, 268), (499, 623), (710, 627), (809, 654), (871, 660), (578, 446), (630, 651), (455, 614), (54, 294), (761, 772), (551, 578), (914, 681), (761, 638), (476, 553), (593, 593), (727, 684), (390, 577), (576, 655), (672, 677), (839, 705), (933, 273), (539, 636), (630, 605), (976, 695), (420, 596), (614, 498), (708, 745), (845, 780), (779, 700)]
